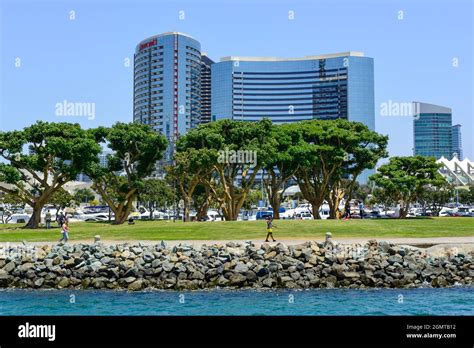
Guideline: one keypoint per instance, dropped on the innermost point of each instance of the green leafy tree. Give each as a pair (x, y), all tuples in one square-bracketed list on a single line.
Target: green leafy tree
[(227, 142), (191, 167), (135, 150), (466, 196), (10, 199), (83, 195), (58, 152), (436, 197), (253, 197), (405, 179), (369, 148), (331, 150), (61, 199), (361, 192), (380, 196), (155, 194)]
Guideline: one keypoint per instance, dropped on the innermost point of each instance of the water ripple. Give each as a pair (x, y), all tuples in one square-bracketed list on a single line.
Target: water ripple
[(425, 301)]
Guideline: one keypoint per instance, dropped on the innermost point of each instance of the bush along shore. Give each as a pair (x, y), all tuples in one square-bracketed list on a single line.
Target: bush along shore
[(231, 265)]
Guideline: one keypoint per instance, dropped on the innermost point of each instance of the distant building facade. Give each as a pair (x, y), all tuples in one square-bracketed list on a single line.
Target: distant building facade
[(323, 87), (167, 85), (103, 163), (206, 64), (457, 141), (432, 128)]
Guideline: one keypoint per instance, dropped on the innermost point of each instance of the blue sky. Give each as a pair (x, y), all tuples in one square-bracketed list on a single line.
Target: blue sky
[(83, 60)]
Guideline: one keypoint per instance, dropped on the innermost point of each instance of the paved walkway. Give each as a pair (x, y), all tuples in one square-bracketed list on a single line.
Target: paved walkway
[(198, 243)]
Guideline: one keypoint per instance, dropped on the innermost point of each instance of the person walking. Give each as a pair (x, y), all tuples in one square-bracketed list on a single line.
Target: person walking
[(65, 232), (60, 219), (270, 228), (361, 209), (47, 219), (347, 214)]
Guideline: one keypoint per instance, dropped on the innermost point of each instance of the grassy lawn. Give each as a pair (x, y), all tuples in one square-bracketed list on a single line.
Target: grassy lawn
[(240, 230)]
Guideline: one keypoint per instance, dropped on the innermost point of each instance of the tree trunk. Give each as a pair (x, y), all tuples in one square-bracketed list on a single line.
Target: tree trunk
[(232, 205), (332, 211), (313, 192), (275, 203), (150, 208), (35, 219), (315, 210), (272, 186), (120, 217), (404, 211), (333, 203), (187, 205), (201, 212), (122, 212), (228, 211), (334, 198), (237, 204)]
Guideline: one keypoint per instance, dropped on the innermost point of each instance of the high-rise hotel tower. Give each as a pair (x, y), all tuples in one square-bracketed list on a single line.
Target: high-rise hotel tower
[(167, 85), (206, 64), (327, 86)]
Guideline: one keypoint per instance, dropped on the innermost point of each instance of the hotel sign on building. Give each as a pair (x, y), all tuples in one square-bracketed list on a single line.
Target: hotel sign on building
[(147, 44)]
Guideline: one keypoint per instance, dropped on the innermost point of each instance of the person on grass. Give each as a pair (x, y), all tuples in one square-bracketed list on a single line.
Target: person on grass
[(47, 219), (65, 232), (60, 219), (270, 228), (361, 209), (347, 214)]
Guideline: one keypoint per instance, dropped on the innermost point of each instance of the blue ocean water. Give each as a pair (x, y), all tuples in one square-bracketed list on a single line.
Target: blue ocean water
[(424, 301)]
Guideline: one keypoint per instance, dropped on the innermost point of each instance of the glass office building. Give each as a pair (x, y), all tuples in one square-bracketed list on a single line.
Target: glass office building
[(206, 64), (457, 141), (167, 85), (288, 90), (432, 128)]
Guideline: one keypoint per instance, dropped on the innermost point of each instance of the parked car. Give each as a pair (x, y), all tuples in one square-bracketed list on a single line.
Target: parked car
[(304, 216), (374, 215), (157, 215), (79, 216), (262, 215), (445, 212), (464, 211), (19, 218)]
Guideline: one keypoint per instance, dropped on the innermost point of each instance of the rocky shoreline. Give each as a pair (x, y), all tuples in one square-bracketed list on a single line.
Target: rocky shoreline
[(231, 265)]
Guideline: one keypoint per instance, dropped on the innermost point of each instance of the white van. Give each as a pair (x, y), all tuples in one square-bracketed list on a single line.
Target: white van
[(19, 219)]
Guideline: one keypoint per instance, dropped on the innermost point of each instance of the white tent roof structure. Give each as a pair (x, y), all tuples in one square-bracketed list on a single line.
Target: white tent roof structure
[(459, 173), (291, 191)]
